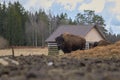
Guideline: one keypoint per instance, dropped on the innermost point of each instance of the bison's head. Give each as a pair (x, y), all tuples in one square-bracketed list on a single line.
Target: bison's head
[(60, 42)]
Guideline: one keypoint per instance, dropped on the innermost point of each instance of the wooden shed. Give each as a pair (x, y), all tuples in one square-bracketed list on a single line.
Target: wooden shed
[(90, 32)]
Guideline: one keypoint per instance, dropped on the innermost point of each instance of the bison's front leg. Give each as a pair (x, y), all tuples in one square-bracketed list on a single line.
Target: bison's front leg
[(69, 49)]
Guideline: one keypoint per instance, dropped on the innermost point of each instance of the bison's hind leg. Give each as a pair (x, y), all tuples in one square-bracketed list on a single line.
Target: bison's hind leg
[(82, 47)]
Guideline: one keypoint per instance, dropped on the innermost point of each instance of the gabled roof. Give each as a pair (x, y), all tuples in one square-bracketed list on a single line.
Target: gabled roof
[(80, 30)]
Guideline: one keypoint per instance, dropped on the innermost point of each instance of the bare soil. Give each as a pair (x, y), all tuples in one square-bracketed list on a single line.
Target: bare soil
[(56, 68)]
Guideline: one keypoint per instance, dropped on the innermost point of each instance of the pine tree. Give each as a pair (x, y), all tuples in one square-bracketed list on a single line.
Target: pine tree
[(15, 24)]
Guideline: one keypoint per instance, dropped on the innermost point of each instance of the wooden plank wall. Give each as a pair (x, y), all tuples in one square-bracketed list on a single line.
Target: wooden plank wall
[(53, 48)]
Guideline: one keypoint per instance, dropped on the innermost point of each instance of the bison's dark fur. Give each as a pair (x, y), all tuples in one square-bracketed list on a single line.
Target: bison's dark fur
[(68, 42), (101, 43)]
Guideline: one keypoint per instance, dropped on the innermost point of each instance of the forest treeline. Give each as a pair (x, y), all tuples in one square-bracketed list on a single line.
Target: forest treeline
[(23, 28)]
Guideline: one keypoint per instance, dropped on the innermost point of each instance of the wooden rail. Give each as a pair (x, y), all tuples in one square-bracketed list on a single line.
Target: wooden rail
[(52, 48)]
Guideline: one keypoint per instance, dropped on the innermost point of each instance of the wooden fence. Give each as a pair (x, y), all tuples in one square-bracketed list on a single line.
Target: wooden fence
[(52, 48)]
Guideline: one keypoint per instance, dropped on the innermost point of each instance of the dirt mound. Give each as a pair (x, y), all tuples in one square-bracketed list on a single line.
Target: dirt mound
[(110, 51)]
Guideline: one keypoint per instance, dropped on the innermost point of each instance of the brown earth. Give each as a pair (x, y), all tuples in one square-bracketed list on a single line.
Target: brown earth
[(100, 63)]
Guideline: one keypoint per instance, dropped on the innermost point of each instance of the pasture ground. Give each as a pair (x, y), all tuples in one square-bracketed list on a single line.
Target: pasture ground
[(100, 63), (24, 51)]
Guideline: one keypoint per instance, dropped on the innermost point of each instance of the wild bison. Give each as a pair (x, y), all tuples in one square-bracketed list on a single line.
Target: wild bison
[(69, 42), (101, 43)]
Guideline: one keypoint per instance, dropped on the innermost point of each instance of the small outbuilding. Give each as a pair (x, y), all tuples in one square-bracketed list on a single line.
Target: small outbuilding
[(90, 32)]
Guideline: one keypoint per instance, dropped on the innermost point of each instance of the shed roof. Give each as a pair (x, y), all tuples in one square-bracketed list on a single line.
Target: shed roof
[(80, 30)]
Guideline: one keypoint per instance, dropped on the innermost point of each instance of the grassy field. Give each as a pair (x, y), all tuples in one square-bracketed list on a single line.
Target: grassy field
[(24, 51), (109, 51)]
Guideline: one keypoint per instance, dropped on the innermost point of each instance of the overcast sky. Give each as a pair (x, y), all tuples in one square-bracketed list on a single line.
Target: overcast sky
[(109, 9)]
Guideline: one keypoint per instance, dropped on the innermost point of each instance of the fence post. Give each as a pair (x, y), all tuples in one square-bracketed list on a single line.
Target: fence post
[(13, 54), (87, 45)]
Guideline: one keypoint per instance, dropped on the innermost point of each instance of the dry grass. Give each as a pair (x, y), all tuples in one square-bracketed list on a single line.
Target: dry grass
[(24, 51), (110, 51)]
